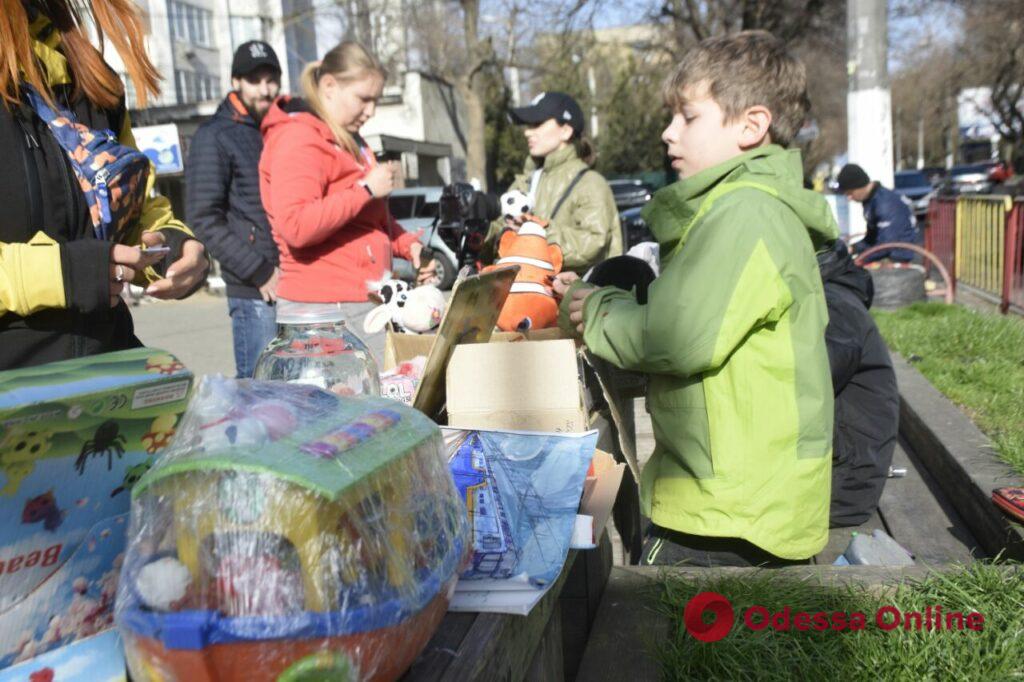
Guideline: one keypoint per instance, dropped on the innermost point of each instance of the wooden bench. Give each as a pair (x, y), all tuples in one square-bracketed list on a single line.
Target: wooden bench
[(547, 644)]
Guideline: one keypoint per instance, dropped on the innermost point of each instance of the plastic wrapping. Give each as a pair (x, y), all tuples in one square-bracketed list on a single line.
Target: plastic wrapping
[(315, 346), (522, 491), (290, 532)]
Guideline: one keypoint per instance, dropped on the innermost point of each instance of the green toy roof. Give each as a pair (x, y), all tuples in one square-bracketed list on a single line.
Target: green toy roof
[(350, 439)]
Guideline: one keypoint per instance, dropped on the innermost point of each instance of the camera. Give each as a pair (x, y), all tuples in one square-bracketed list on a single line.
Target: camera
[(464, 215)]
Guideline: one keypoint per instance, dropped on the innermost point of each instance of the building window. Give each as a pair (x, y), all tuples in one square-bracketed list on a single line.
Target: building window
[(191, 24), (195, 87), (244, 29)]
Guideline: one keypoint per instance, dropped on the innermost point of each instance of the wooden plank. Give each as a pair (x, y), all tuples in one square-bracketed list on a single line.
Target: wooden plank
[(501, 646), (442, 647), (581, 600), (921, 518), (547, 664)]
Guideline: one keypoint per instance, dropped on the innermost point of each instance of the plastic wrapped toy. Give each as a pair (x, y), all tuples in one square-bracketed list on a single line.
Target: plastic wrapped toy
[(290, 532), (315, 346)]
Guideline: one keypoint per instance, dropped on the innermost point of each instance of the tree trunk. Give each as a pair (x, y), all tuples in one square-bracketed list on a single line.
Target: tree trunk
[(476, 150)]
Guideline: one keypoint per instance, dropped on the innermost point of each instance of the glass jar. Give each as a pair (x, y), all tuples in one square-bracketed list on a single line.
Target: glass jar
[(314, 346)]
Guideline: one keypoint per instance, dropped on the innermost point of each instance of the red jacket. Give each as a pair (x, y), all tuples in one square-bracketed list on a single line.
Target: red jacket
[(332, 236)]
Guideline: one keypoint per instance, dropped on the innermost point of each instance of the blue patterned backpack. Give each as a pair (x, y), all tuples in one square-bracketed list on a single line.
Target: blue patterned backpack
[(112, 176)]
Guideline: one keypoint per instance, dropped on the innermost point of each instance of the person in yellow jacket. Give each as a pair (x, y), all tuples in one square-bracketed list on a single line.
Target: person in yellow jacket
[(575, 200), (60, 285)]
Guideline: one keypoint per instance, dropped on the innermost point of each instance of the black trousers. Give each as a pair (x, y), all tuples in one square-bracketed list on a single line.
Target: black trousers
[(664, 547)]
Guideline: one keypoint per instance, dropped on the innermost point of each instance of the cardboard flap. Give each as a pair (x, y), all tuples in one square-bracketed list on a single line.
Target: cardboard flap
[(531, 386), (600, 490), (472, 313)]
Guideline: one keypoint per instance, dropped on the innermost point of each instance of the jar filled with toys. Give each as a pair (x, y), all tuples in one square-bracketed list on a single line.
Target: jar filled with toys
[(315, 346)]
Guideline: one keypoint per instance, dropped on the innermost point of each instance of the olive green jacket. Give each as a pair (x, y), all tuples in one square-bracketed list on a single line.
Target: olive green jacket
[(733, 337), (587, 224)]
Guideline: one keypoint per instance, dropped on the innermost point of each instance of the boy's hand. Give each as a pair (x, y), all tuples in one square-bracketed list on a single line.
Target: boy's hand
[(562, 280), (579, 297)]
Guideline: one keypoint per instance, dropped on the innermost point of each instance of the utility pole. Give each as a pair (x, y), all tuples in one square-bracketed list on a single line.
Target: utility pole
[(920, 140), (868, 102)]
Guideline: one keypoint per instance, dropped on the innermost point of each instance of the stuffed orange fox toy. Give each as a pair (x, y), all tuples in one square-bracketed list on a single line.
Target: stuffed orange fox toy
[(531, 302)]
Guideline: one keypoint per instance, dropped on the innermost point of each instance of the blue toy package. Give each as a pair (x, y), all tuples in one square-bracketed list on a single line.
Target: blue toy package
[(521, 491), (74, 437)]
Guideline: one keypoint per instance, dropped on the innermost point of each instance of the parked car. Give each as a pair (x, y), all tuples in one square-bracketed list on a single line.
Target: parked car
[(630, 193), (972, 179), (913, 186), (634, 228), (936, 174), (415, 209)]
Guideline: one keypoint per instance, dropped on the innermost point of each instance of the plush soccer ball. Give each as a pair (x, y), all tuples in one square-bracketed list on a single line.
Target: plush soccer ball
[(515, 204)]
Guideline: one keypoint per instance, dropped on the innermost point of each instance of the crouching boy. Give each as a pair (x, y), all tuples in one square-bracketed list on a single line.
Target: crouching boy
[(732, 334)]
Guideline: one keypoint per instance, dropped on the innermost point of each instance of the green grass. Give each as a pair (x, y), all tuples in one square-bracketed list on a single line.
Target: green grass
[(976, 359), (996, 652)]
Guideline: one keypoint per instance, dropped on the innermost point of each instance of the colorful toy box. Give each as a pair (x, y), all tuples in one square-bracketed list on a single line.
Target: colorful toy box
[(74, 437), (290, 533)]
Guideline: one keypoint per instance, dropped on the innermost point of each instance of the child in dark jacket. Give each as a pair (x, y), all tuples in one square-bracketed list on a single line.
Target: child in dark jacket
[(867, 400)]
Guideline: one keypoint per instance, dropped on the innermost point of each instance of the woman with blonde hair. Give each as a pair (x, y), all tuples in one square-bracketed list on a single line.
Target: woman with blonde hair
[(61, 270), (323, 190)]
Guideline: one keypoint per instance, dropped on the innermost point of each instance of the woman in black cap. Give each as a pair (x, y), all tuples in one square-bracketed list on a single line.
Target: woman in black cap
[(575, 200)]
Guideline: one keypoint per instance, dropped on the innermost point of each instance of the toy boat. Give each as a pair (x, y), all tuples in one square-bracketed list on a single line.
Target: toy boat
[(290, 532)]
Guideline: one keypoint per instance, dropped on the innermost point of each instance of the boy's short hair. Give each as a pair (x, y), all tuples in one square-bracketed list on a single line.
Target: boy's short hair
[(744, 70)]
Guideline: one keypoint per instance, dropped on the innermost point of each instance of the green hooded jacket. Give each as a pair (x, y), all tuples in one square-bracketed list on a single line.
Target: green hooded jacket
[(587, 224), (733, 337)]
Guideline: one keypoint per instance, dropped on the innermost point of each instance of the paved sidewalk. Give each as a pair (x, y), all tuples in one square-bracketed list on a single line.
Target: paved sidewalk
[(197, 330)]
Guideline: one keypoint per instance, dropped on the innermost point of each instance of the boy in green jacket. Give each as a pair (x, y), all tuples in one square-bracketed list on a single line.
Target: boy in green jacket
[(732, 334)]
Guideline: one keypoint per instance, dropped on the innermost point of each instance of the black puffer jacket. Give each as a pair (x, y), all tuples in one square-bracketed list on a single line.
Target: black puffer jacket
[(866, 397), (222, 198)]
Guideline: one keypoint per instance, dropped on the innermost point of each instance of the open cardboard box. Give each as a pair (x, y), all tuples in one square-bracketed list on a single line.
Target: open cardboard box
[(505, 380)]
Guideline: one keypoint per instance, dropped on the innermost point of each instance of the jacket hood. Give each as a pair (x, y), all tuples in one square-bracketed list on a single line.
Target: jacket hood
[(838, 268), (672, 209), (293, 111)]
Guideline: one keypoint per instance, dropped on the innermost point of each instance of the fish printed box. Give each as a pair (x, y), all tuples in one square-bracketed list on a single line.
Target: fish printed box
[(74, 437)]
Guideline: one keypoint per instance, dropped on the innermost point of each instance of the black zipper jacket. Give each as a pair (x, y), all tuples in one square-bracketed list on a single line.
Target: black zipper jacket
[(222, 198), (867, 401)]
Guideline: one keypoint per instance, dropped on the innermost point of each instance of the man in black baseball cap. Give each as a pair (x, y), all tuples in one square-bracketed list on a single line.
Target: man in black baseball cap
[(888, 215), (223, 205)]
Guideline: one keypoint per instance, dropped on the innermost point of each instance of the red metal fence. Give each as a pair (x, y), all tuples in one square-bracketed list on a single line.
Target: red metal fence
[(980, 240), (1013, 283), (940, 236)]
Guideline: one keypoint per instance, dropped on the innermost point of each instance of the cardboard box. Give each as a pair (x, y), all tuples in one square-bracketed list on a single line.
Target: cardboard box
[(600, 490), (74, 437), (532, 386)]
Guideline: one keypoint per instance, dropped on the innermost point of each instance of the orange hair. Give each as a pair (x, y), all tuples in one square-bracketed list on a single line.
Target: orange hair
[(116, 19)]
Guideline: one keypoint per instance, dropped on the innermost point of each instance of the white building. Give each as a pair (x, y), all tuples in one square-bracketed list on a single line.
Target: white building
[(191, 43)]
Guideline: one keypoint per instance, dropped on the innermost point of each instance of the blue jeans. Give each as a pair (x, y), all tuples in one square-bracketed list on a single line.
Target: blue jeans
[(253, 326)]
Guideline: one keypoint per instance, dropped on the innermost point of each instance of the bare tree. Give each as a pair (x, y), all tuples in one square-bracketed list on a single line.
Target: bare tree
[(991, 54), (457, 42), (793, 21)]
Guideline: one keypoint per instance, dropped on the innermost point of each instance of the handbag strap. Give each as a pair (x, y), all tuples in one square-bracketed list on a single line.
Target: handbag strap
[(565, 194)]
